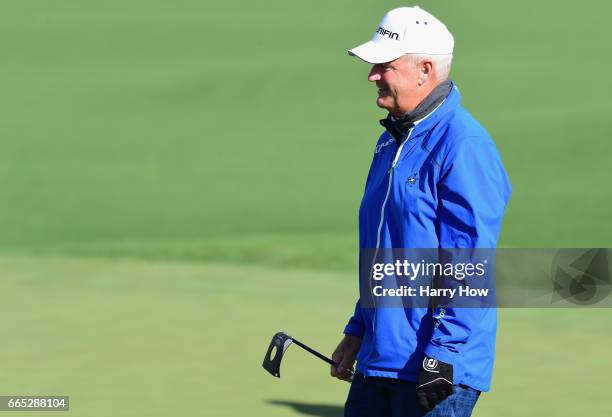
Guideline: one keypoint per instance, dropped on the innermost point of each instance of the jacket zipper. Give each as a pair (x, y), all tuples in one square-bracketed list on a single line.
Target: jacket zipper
[(390, 172), (382, 211)]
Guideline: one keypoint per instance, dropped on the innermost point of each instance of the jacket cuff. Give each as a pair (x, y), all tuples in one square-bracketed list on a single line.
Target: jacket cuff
[(441, 354)]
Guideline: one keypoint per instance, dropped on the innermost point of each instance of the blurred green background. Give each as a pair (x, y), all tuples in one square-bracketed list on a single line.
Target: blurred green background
[(179, 180)]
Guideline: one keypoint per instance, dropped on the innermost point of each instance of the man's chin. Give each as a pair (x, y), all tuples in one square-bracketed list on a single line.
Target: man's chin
[(383, 103)]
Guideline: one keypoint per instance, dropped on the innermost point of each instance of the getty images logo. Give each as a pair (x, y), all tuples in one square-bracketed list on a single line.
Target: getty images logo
[(388, 33)]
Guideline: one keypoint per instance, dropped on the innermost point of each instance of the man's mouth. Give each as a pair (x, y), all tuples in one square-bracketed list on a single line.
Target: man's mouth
[(383, 91)]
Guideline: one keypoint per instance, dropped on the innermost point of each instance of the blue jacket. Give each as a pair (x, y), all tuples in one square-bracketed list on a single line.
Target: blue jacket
[(444, 186)]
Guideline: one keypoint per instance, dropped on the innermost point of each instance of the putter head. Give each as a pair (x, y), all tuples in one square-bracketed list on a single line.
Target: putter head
[(279, 344)]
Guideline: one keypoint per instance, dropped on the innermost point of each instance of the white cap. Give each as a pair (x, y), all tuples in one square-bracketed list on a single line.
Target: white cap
[(406, 30)]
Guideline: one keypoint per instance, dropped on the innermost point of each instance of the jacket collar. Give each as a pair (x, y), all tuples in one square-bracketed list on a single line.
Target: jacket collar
[(443, 99)]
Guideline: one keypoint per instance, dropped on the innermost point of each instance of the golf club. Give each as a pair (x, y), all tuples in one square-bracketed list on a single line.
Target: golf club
[(279, 344)]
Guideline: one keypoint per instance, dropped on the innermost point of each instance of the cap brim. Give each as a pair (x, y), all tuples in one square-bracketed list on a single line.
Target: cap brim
[(375, 52)]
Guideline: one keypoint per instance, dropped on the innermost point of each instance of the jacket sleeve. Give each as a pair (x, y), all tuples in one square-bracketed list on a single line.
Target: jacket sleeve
[(355, 326), (472, 192)]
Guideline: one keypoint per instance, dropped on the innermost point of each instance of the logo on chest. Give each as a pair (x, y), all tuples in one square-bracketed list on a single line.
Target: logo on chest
[(412, 179), (384, 144)]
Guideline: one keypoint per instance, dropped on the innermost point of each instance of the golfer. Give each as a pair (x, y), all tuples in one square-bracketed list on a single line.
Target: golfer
[(436, 181)]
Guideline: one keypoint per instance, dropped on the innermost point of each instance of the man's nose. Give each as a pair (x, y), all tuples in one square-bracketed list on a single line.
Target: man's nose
[(375, 73)]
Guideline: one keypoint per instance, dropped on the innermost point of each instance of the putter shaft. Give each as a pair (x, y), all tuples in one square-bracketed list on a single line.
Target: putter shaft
[(317, 354)]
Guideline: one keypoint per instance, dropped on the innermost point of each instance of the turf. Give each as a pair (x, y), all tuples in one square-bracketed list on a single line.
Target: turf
[(184, 121), (133, 338), (167, 169)]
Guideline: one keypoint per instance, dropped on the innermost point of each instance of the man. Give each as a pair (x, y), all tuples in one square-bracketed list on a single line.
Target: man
[(436, 181)]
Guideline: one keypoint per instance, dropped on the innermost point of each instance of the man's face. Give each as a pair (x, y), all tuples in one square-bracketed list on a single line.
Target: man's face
[(398, 85)]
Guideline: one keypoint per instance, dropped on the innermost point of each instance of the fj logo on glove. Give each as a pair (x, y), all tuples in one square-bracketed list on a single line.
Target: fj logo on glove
[(432, 389), (430, 365)]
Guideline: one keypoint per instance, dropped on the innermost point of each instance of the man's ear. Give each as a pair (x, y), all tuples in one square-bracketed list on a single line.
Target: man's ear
[(425, 71)]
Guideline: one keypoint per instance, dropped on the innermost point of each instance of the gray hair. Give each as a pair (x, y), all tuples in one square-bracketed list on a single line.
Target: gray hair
[(441, 63)]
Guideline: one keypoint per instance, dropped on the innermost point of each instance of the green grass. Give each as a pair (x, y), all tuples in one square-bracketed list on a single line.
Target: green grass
[(178, 180), (128, 338), (140, 120)]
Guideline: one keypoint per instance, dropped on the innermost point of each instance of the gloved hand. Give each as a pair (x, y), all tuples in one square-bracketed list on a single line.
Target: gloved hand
[(435, 382)]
